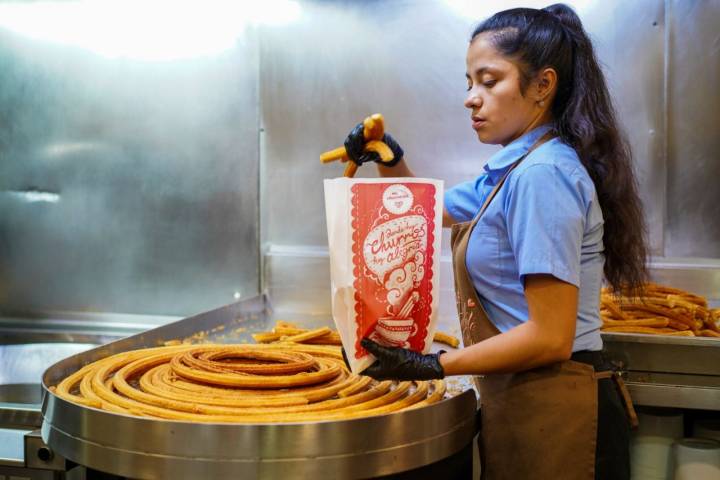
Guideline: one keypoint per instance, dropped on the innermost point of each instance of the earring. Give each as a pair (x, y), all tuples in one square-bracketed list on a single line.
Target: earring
[(541, 103)]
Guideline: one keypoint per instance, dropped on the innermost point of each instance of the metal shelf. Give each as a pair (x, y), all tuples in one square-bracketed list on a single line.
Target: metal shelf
[(665, 371)]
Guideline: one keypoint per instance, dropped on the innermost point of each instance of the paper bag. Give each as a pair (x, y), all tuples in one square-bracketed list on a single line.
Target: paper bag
[(384, 240)]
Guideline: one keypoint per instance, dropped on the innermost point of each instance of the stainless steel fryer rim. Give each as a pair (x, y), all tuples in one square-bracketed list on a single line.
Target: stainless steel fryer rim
[(141, 447)]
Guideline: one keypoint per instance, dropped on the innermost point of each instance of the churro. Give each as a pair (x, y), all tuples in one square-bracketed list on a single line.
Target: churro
[(660, 310), (447, 339), (278, 382), (373, 132)]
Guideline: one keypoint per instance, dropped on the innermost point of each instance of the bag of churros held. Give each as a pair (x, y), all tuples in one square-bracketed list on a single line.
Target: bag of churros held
[(384, 238)]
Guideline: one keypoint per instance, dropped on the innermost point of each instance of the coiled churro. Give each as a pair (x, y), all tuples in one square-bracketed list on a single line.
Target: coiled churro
[(279, 382)]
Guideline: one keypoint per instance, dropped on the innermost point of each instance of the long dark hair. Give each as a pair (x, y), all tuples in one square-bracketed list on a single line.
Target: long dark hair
[(585, 120)]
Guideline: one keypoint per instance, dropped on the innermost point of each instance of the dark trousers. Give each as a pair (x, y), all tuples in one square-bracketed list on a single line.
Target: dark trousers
[(612, 453)]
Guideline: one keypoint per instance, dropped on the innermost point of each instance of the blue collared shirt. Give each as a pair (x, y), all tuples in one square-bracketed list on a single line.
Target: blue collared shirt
[(545, 219)]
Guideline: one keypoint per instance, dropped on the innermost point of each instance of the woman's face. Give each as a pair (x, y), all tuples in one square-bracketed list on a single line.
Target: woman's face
[(499, 111)]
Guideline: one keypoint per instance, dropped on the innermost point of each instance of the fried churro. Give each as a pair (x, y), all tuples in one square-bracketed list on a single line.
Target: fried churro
[(243, 383), (660, 310)]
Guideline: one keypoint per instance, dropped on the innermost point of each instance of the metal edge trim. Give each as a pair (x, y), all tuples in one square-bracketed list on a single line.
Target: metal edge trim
[(435, 448), (616, 337)]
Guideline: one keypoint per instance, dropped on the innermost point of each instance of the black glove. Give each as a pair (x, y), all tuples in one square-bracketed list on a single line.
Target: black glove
[(355, 146), (401, 364)]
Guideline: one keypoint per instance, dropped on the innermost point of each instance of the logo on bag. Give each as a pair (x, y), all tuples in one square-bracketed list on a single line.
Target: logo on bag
[(397, 199)]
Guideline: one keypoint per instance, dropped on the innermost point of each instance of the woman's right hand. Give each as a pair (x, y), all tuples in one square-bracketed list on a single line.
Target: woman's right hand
[(355, 147)]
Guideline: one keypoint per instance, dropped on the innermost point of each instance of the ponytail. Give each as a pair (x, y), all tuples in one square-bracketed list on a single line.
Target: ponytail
[(585, 120)]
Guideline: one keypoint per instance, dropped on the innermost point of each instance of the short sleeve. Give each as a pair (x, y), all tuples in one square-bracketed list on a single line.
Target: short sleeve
[(463, 201), (545, 213)]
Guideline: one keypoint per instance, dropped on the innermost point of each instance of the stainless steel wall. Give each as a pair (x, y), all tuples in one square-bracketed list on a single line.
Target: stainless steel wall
[(406, 59), (693, 195), (131, 185), (126, 184)]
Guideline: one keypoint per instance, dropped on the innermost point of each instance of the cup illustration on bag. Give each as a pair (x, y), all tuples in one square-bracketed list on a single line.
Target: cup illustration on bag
[(395, 331)]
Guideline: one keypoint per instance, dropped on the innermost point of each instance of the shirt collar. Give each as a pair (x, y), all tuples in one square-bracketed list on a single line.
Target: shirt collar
[(498, 164)]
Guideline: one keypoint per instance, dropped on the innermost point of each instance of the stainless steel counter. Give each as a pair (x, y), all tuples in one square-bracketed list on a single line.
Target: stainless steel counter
[(665, 371), (21, 367)]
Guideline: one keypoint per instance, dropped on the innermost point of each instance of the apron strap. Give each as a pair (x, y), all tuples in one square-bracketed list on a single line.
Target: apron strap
[(624, 394)]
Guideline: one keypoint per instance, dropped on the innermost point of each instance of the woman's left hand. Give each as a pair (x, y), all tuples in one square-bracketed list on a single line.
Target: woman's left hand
[(401, 364)]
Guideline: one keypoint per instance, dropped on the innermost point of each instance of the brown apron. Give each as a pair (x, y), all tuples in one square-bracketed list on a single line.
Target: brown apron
[(541, 423)]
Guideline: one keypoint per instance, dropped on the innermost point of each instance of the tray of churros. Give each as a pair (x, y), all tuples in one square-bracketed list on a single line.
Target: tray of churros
[(227, 393), (659, 310), (664, 341)]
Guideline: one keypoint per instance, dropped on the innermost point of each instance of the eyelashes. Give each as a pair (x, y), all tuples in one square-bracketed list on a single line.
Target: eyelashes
[(489, 84)]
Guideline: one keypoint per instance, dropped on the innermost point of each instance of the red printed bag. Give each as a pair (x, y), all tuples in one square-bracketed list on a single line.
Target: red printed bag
[(384, 237)]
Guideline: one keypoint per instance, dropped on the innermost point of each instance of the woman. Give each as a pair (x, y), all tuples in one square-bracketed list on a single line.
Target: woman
[(553, 211)]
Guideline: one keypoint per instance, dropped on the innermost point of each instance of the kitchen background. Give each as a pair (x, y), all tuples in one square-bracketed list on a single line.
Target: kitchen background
[(159, 159)]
